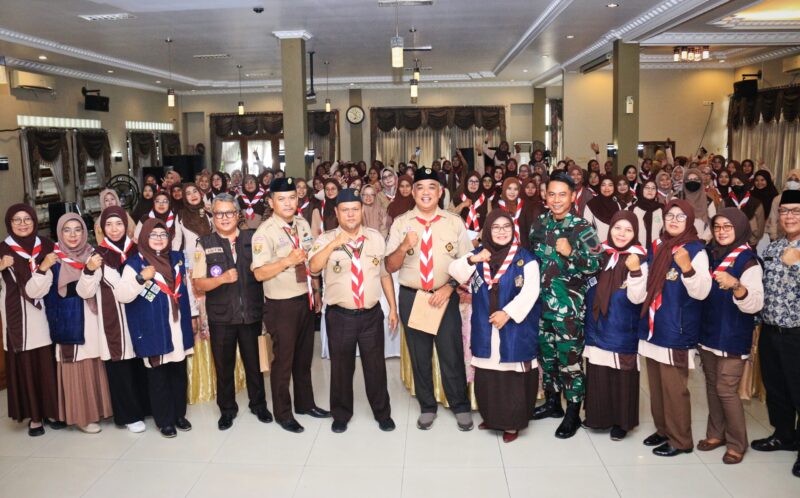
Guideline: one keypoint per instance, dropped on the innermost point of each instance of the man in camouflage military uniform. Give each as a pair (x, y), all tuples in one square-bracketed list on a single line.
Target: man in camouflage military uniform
[(568, 249)]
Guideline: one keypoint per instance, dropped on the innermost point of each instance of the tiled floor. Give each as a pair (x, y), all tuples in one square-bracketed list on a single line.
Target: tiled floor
[(253, 459)]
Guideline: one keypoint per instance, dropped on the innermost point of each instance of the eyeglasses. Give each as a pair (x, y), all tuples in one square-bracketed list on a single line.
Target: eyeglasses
[(21, 221), (786, 212), (650, 187), (723, 228), (384, 177), (473, 182), (224, 214), (161, 202), (502, 228), (159, 236), (676, 217)]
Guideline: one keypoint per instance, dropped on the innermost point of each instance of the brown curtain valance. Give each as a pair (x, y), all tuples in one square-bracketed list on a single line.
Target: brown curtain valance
[(170, 144), (770, 104), (410, 118), (93, 144), (47, 144), (143, 144)]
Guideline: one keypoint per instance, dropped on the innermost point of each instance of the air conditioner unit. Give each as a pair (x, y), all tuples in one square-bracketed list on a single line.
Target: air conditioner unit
[(791, 64), (32, 81)]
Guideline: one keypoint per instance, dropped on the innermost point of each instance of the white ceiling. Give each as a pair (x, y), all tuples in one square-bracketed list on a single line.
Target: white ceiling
[(475, 42)]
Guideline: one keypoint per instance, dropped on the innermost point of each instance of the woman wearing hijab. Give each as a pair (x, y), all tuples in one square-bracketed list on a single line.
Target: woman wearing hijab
[(677, 178), (582, 194), (623, 193), (153, 285), (764, 190), (472, 205), (499, 156), (602, 208), (108, 198), (631, 175), (127, 378), (323, 218), (374, 176), (162, 209), (219, 185), (532, 198), (145, 203), (305, 201), (504, 325), (740, 197), (726, 336), (372, 214), (664, 183), (83, 397), (773, 227), (648, 211), (748, 169), (611, 328), (511, 202), (388, 187), (672, 306), (253, 203), (29, 353), (487, 187), (403, 201), (702, 205), (723, 184)]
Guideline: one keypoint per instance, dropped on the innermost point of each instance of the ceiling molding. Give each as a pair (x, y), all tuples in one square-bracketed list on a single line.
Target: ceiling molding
[(550, 13), (735, 22), (725, 38), (774, 54), (291, 34), (38, 67)]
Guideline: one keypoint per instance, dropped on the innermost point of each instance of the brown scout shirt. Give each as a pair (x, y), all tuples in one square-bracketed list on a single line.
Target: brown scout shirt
[(271, 243)]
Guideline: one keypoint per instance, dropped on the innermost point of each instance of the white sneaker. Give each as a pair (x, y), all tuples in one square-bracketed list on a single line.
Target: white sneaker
[(92, 428), (136, 427)]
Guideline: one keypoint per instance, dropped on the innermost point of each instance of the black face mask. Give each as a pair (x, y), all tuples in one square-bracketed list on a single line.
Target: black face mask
[(692, 186), (739, 190)]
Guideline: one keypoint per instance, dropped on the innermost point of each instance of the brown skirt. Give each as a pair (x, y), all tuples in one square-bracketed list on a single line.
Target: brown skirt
[(31, 378), (83, 395), (612, 397), (506, 399)]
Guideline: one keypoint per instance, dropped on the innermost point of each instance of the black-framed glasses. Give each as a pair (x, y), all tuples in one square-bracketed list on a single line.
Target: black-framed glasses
[(21, 221), (502, 228), (224, 214), (159, 236), (786, 212), (676, 217), (723, 228)]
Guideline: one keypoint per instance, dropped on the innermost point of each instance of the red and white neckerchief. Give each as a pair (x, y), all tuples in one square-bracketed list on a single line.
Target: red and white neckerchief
[(644, 176), (727, 262), (487, 275), (22, 253), (66, 259), (170, 218), (616, 253), (491, 198), (578, 195), (356, 272), (515, 215), (473, 223), (123, 253), (322, 215), (162, 284), (249, 212), (425, 254), (295, 240), (656, 303), (301, 208), (736, 202), (390, 196)]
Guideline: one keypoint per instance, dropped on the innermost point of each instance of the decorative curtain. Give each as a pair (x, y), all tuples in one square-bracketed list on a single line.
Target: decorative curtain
[(47, 145), (94, 145), (556, 128), (143, 150), (170, 144)]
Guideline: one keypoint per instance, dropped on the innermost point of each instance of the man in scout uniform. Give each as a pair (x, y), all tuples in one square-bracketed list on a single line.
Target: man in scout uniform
[(568, 248), (292, 297), (351, 257), (422, 244), (234, 302)]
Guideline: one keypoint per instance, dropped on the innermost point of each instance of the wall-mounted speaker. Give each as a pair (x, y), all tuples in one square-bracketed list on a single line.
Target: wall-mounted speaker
[(96, 103)]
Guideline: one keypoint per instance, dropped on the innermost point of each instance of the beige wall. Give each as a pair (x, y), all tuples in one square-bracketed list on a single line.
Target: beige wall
[(670, 105), (126, 104)]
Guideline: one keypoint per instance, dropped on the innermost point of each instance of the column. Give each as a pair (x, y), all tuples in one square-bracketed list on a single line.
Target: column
[(625, 119), (356, 131), (293, 95), (538, 129)]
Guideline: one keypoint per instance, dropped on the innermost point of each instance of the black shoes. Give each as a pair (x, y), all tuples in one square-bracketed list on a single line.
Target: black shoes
[(183, 425), (35, 431), (618, 433), (551, 407), (291, 425), (263, 414), (339, 426), (315, 412), (772, 443), (168, 431), (386, 425), (572, 421), (655, 439), (225, 422), (56, 425), (666, 450), (796, 467)]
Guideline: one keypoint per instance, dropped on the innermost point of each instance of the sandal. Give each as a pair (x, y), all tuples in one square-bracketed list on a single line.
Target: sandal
[(732, 458)]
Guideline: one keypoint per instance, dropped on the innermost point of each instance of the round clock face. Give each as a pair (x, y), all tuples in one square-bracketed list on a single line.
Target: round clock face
[(355, 114)]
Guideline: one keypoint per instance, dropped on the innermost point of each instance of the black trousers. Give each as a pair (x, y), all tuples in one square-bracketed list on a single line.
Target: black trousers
[(780, 369), (345, 333), (291, 325), (127, 384), (450, 349), (167, 386), (224, 339)]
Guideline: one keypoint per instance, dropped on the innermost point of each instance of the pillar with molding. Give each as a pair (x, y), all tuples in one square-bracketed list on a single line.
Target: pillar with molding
[(293, 96), (625, 106)]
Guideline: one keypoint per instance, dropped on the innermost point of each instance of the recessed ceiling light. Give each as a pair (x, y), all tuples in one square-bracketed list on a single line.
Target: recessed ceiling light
[(722, 61), (612, 5), (42, 57), (570, 37), (352, 84), (110, 71), (510, 80), (524, 70), (436, 81), (193, 90), (158, 82), (545, 56)]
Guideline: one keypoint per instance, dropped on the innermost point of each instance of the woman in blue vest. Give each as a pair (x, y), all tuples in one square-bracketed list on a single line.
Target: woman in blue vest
[(737, 293), (612, 330), (504, 280), (83, 395), (677, 283), (153, 284)]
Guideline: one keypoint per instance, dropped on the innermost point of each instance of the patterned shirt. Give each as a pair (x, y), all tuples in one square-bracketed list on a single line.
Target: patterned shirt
[(564, 279), (781, 286)]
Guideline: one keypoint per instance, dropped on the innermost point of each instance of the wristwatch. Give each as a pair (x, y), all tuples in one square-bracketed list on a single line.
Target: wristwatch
[(140, 279), (453, 283)]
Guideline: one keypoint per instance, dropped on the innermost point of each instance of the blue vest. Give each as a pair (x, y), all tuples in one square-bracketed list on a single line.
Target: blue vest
[(725, 327), (64, 314), (149, 321), (678, 320), (518, 341), (617, 332)]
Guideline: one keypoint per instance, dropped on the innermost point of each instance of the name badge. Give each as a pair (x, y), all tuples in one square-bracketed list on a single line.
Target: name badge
[(519, 280), (214, 250), (672, 274), (592, 281)]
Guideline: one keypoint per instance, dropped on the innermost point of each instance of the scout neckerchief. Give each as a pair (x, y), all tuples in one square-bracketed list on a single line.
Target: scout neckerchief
[(578, 196), (66, 259), (729, 259), (473, 223), (295, 240), (322, 215), (162, 283), (515, 215), (250, 213), (487, 276), (736, 202), (170, 218), (22, 253), (354, 250), (656, 303), (123, 253), (425, 253), (301, 208), (616, 253)]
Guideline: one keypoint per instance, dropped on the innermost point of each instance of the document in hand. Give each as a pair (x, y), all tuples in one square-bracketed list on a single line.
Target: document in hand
[(425, 317)]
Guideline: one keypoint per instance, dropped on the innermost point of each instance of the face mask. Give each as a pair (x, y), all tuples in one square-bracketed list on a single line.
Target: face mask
[(793, 185), (692, 186), (739, 190)]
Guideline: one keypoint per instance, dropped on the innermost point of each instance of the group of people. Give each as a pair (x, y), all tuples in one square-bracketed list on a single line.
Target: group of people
[(524, 269)]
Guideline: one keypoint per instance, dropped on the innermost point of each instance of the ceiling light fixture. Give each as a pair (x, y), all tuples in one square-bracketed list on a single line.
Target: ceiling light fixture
[(396, 42), (158, 82), (110, 71), (691, 54), (327, 99), (722, 61), (570, 37), (170, 90), (676, 54), (524, 70), (240, 107), (612, 5), (42, 57)]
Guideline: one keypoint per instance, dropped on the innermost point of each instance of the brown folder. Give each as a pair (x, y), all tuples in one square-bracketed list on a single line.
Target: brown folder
[(265, 351), (425, 317)]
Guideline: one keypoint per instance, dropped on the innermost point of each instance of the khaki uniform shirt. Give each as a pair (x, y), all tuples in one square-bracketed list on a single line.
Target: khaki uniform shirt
[(337, 272), (450, 241), (271, 243)]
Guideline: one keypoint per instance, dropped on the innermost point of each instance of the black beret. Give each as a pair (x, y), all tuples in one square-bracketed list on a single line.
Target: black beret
[(426, 174), (348, 195), (282, 185), (790, 197)]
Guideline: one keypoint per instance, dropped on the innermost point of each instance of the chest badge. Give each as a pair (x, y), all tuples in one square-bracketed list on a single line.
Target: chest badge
[(520, 263), (410, 252), (449, 247), (672, 275), (337, 268), (375, 261), (519, 280), (216, 271)]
